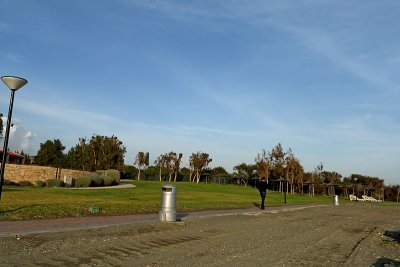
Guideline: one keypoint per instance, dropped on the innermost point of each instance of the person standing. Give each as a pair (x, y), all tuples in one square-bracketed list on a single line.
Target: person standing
[(262, 188)]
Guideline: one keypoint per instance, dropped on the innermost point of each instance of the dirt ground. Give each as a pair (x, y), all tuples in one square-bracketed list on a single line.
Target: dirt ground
[(349, 235)]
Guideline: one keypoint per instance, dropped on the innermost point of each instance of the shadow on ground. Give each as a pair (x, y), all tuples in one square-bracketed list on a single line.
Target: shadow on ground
[(395, 235), (181, 216), (20, 208), (386, 262), (391, 237)]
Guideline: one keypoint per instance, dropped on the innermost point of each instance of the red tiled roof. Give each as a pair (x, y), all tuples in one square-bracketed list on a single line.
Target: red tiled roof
[(12, 154)]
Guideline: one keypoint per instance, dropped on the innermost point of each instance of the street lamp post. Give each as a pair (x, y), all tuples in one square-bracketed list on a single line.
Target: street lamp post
[(284, 188), (284, 182), (13, 83)]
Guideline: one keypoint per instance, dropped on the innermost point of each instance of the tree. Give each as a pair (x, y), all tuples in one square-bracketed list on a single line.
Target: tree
[(112, 153), (294, 172), (107, 152), (277, 160), (331, 177), (50, 153), (150, 172), (263, 164), (172, 163), (177, 163), (245, 172), (142, 159), (100, 153), (129, 172), (198, 162), (316, 179), (27, 157), (219, 171), (160, 162), (184, 172)]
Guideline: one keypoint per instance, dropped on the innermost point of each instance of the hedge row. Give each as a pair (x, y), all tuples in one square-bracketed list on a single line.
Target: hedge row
[(95, 181)]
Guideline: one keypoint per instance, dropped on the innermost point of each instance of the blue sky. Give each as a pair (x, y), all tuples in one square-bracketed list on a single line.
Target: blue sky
[(229, 78)]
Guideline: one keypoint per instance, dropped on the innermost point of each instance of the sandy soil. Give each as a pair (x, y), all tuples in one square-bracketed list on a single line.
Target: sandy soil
[(348, 235)]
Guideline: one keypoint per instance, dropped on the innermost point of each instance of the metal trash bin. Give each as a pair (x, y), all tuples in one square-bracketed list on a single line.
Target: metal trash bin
[(168, 204), (336, 200)]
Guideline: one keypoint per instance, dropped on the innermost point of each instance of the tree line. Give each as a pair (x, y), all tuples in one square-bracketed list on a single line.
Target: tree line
[(97, 153), (282, 169), (170, 162)]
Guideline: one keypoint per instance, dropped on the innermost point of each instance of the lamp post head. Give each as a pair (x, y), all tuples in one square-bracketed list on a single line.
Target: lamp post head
[(13, 82)]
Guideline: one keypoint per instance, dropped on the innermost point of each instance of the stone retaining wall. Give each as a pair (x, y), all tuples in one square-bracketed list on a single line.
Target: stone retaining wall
[(32, 173)]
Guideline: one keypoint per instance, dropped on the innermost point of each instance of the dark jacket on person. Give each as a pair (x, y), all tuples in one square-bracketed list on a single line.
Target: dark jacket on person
[(262, 185)]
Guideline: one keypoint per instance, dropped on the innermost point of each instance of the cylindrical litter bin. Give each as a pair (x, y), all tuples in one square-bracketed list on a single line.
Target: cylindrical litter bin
[(168, 204), (336, 200)]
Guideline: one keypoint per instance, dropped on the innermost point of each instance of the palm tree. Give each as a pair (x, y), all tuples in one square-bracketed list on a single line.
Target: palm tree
[(142, 159), (161, 163), (176, 165)]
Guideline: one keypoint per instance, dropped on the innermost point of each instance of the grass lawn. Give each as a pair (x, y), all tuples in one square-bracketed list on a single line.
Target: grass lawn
[(22, 203)]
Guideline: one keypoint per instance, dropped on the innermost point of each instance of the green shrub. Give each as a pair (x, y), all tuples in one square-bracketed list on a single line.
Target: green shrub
[(55, 183), (40, 183), (8, 182), (97, 181), (83, 181), (108, 181), (114, 174), (25, 183)]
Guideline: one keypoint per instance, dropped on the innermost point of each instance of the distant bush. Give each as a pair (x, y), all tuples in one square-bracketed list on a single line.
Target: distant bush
[(115, 174), (83, 181), (25, 183), (108, 181), (100, 172), (55, 183), (8, 182), (97, 181), (40, 183)]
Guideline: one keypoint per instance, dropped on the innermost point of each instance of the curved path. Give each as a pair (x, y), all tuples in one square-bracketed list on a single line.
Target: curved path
[(121, 185)]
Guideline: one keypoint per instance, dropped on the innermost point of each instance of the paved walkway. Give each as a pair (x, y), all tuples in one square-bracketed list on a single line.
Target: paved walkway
[(17, 228), (119, 186)]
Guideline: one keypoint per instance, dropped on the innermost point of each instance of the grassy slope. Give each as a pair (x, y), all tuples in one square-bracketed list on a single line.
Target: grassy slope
[(38, 203)]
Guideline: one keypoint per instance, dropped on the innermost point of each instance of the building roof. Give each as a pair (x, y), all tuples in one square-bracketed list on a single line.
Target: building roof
[(13, 154)]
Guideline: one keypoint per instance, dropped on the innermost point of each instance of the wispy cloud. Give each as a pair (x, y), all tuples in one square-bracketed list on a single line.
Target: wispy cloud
[(71, 115), (214, 131), (327, 46), (13, 57), (308, 30)]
